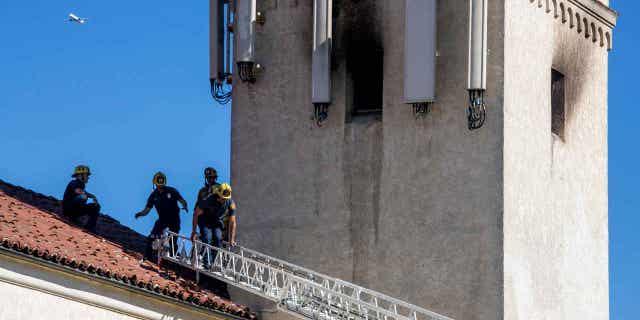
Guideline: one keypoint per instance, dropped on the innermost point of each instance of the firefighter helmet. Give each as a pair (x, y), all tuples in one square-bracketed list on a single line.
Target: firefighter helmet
[(159, 179), (222, 190), (81, 169), (210, 172)]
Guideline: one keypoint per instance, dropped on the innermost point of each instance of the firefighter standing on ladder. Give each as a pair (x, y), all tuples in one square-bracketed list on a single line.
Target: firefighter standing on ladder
[(165, 199), (215, 215), (210, 180)]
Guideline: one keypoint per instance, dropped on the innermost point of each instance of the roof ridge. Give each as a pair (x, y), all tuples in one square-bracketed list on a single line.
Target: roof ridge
[(105, 221), (31, 225)]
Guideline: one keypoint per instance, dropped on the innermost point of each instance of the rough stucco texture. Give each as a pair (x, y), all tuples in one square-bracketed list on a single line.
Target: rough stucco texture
[(555, 220), (410, 207)]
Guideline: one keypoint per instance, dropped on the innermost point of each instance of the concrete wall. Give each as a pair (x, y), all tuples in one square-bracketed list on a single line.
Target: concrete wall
[(31, 291), (555, 190), (506, 222), (439, 238), (410, 207), (288, 176)]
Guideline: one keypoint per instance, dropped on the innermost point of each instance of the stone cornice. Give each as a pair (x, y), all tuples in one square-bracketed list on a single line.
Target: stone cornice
[(598, 11), (590, 18)]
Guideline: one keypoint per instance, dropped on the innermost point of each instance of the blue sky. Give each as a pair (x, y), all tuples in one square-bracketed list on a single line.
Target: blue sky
[(128, 94), (624, 199)]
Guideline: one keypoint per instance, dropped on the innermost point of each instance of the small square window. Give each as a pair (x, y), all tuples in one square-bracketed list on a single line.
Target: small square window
[(557, 103)]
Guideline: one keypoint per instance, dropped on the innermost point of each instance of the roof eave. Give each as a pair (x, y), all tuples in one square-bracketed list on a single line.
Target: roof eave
[(108, 281)]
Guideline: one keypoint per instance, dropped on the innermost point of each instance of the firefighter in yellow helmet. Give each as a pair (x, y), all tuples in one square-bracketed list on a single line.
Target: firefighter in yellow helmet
[(74, 201), (165, 199), (215, 216), (210, 180)]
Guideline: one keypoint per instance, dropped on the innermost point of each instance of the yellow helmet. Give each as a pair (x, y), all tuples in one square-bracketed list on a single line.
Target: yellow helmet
[(222, 190), (81, 169), (159, 179)]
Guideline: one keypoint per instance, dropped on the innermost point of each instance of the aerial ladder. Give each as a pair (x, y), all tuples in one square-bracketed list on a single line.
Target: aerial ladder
[(298, 291)]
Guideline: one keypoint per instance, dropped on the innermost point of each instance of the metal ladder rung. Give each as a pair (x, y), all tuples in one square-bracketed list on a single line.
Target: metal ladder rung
[(298, 291)]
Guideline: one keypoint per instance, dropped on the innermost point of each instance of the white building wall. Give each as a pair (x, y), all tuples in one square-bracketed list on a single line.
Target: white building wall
[(32, 291), (25, 303), (555, 190)]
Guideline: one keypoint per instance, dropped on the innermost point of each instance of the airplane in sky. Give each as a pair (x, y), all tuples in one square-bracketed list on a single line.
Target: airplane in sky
[(74, 18)]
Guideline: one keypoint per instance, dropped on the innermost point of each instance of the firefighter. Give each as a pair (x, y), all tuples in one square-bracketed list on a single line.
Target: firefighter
[(210, 179), (165, 199), (74, 201), (215, 215)]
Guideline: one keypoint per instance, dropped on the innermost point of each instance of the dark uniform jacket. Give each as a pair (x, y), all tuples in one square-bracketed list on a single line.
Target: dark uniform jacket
[(215, 213), (166, 203), (203, 193), (71, 198)]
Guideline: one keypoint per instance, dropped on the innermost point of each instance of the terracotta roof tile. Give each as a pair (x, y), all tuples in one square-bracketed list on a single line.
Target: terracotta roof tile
[(31, 223)]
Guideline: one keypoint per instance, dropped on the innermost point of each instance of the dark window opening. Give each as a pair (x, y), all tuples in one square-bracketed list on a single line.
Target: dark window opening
[(366, 69), (557, 103)]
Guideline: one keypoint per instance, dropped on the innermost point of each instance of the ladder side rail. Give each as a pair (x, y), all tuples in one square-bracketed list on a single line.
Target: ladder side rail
[(348, 306), (350, 301), (315, 279), (410, 310), (225, 261), (381, 297), (270, 283), (219, 263), (272, 260), (306, 301), (275, 271), (273, 279)]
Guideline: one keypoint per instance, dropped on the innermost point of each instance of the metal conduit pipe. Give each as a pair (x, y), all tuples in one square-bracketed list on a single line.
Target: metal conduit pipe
[(477, 85), (321, 59), (245, 45)]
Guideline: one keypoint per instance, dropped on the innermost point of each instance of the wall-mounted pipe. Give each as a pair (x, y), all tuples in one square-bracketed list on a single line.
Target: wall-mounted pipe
[(321, 59), (420, 43), (245, 33), (218, 71), (477, 84)]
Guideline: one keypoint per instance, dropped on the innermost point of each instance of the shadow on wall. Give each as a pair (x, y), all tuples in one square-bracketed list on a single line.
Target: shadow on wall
[(108, 228)]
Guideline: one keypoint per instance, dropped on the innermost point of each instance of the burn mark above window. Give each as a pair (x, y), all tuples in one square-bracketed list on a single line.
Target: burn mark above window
[(557, 103)]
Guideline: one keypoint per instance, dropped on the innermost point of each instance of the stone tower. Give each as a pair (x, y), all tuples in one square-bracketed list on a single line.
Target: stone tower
[(508, 221)]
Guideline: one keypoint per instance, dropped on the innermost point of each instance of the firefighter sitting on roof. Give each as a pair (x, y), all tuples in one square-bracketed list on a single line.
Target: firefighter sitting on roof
[(74, 201), (210, 180), (165, 199)]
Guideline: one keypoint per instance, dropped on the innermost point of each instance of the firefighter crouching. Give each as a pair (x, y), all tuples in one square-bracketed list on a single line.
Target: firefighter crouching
[(215, 216), (165, 199), (74, 201)]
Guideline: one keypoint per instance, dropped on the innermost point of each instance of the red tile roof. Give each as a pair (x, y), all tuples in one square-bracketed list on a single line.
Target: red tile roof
[(30, 223)]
